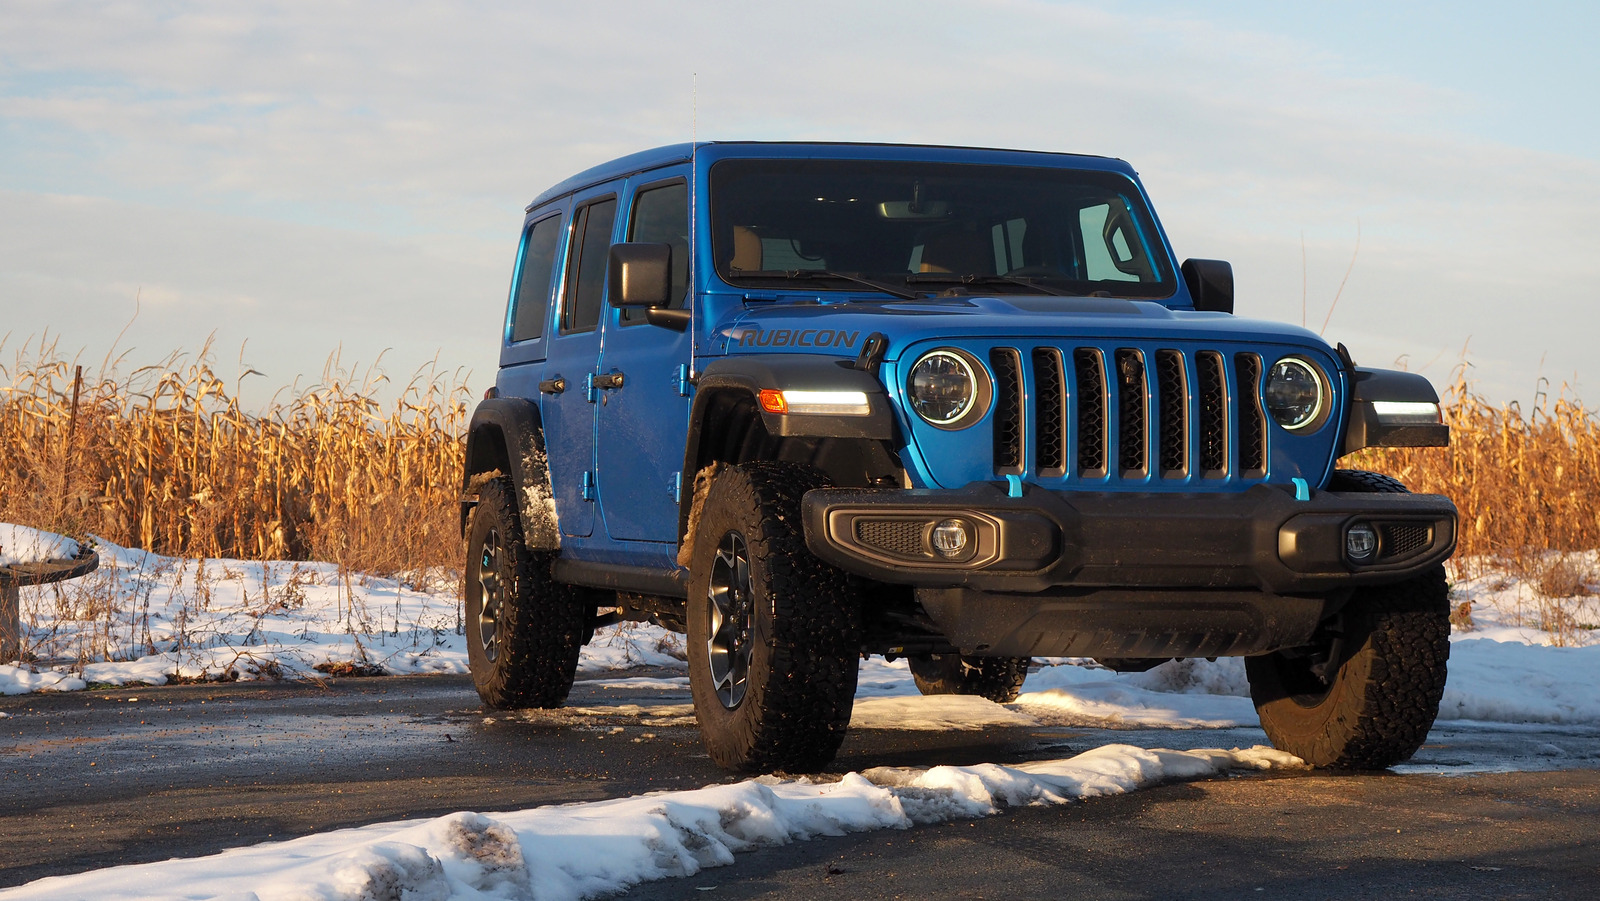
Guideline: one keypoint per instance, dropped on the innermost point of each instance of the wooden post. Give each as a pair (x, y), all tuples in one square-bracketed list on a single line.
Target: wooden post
[(10, 623)]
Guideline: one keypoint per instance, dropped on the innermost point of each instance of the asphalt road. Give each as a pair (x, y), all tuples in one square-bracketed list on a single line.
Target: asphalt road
[(94, 779)]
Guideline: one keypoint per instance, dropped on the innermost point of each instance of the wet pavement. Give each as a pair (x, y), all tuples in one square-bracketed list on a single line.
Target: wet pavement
[(100, 778)]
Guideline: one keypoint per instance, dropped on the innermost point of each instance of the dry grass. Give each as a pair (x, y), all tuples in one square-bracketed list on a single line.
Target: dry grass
[(165, 458)]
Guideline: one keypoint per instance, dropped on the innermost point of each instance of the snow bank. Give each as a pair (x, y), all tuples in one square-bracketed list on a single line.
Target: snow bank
[(584, 850), (238, 619), (20, 544)]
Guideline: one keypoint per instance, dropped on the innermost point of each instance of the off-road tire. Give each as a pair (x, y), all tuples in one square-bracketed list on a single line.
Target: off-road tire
[(997, 678), (804, 624), (536, 627), (1395, 644)]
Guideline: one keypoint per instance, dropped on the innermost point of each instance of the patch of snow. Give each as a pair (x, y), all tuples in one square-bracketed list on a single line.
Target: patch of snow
[(20, 680), (935, 713), (586, 850), (1516, 682), (20, 544)]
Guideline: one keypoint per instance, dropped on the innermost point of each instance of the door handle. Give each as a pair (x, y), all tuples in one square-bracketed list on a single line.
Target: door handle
[(553, 386), (609, 380)]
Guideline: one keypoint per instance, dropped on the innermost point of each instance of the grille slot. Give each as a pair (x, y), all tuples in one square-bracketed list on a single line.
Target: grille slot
[(1402, 539), (900, 537), (1089, 367), (1172, 414), (1132, 408), (1213, 414), (1252, 420), (1050, 429), (1007, 366)]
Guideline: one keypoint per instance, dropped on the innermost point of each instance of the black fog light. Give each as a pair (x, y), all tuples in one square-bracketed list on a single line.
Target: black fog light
[(950, 538), (1361, 543)]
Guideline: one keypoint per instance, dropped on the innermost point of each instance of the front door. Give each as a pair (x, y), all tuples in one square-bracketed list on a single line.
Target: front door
[(568, 402), (644, 424)]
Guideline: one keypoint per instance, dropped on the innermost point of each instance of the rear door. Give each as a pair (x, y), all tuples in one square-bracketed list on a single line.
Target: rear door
[(567, 406)]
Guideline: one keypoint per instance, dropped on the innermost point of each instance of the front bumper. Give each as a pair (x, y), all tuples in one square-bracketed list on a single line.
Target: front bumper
[(1262, 539)]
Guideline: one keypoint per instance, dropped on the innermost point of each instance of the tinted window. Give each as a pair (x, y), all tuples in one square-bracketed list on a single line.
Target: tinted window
[(586, 269), (533, 282), (661, 216)]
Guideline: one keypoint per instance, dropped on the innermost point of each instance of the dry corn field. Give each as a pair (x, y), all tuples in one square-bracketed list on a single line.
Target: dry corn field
[(165, 458)]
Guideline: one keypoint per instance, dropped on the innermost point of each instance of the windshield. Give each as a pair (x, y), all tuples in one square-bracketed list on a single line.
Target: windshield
[(926, 228)]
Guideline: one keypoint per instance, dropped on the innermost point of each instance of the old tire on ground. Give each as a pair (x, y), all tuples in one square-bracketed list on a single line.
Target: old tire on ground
[(997, 678), (524, 629), (1390, 644), (774, 633)]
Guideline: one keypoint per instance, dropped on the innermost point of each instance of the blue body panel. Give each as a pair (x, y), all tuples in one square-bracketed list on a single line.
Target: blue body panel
[(631, 456)]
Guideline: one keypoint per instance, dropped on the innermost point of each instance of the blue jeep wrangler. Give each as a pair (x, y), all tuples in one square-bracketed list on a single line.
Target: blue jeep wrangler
[(810, 402)]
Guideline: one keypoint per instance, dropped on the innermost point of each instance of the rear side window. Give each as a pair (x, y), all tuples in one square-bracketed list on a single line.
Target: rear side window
[(533, 281), (661, 216), (586, 269)]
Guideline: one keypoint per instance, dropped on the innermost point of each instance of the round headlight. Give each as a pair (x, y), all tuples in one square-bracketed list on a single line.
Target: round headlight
[(947, 389), (1295, 394)]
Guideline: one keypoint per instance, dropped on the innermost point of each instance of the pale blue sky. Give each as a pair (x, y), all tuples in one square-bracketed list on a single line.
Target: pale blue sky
[(323, 175)]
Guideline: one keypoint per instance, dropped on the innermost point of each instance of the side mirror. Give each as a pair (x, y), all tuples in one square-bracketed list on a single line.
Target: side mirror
[(1210, 284), (640, 276)]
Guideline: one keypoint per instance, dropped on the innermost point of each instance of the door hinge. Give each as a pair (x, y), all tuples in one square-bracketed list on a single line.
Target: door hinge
[(684, 382), (589, 390), (588, 485), (675, 487)]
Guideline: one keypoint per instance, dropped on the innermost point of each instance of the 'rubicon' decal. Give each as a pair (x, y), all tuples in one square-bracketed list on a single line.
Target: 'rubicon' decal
[(785, 337)]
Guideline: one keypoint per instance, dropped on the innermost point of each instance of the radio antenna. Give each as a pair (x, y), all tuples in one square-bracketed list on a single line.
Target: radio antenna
[(694, 221)]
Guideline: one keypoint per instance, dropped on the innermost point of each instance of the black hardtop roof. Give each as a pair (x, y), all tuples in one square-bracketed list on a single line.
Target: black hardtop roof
[(644, 160)]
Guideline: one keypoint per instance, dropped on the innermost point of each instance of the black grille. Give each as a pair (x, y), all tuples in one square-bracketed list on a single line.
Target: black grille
[(901, 537), (1213, 414), (1131, 401), (1403, 539), (1007, 365), (1172, 414), (1089, 367), (1050, 429), (1252, 421)]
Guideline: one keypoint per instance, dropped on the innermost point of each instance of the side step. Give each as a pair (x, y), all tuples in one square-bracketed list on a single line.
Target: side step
[(620, 577)]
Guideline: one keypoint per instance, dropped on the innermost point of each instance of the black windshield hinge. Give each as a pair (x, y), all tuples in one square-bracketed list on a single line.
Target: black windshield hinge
[(872, 351)]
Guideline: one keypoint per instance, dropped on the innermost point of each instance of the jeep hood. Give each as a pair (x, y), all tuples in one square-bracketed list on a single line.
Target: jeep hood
[(838, 328)]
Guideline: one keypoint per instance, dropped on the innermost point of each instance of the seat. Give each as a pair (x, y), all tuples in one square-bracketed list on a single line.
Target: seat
[(746, 249)]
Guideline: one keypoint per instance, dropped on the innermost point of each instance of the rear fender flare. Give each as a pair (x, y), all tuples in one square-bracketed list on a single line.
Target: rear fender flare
[(506, 436)]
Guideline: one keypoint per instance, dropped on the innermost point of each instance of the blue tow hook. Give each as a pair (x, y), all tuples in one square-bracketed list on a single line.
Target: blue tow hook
[(1014, 485), (1302, 490)]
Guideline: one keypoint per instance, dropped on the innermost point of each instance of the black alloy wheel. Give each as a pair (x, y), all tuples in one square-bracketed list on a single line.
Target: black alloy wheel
[(732, 626)]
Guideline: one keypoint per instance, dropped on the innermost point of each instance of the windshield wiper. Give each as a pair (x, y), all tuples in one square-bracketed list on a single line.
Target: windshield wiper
[(944, 278), (792, 274)]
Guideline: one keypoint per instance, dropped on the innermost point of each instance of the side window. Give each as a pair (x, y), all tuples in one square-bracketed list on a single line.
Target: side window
[(1099, 246), (661, 216), (532, 300), (586, 266)]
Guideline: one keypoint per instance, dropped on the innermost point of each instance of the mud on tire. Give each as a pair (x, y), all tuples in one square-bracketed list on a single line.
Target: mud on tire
[(774, 633), (524, 629), (997, 678), (1390, 644)]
